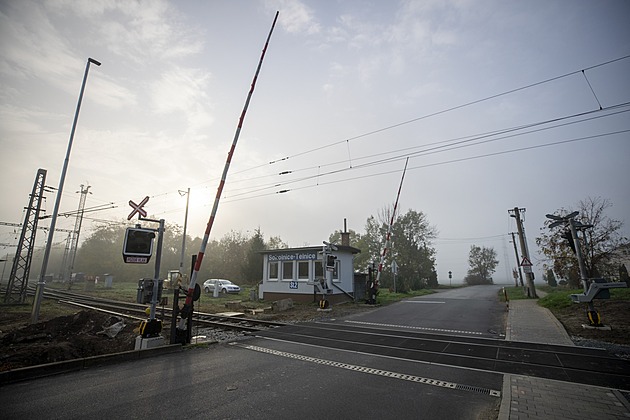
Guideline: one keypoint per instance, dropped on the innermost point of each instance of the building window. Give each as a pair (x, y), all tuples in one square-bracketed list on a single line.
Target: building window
[(303, 270), (287, 270), (319, 270), (273, 271)]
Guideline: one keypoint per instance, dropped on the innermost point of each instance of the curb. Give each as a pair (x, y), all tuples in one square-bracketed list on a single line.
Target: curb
[(56, 368)]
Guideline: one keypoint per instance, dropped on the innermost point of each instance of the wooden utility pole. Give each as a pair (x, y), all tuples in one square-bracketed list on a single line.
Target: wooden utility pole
[(529, 275)]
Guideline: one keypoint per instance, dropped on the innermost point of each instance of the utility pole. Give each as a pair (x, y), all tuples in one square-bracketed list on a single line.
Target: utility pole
[(181, 259), (518, 263), (516, 213), (68, 266), (18, 279)]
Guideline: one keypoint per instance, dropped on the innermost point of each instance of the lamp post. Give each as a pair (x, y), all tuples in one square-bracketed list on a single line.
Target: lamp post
[(42, 276)]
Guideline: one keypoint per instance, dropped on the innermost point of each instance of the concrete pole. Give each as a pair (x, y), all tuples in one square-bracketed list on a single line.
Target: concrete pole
[(518, 263), (531, 290), (181, 259)]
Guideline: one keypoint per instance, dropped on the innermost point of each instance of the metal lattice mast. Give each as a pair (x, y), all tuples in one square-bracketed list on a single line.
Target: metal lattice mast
[(66, 253), (18, 280), (74, 244)]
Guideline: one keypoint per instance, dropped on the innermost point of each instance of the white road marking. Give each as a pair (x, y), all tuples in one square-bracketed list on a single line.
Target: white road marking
[(371, 371), (414, 328), (422, 301)]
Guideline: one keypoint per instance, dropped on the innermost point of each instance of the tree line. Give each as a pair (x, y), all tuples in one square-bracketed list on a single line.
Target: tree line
[(237, 255)]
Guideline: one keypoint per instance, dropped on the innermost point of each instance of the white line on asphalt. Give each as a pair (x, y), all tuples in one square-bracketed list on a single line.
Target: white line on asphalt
[(371, 371), (423, 301), (414, 328)]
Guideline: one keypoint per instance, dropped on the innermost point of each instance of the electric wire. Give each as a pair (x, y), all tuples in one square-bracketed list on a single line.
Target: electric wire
[(521, 149), (422, 152), (447, 145)]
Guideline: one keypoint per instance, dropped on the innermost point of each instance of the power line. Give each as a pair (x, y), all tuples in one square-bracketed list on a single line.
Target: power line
[(521, 149), (440, 146), (454, 108), (448, 144)]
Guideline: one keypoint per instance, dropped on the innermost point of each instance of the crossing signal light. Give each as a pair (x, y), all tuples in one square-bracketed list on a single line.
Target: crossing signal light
[(138, 246), (569, 237), (330, 262)]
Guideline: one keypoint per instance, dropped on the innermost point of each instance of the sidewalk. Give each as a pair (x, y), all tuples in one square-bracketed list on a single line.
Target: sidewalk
[(526, 397)]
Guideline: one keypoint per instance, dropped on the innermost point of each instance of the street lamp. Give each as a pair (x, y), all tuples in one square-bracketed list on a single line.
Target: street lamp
[(42, 279)]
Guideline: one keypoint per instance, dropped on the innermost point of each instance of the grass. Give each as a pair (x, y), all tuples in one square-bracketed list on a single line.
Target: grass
[(127, 292), (558, 297), (514, 293)]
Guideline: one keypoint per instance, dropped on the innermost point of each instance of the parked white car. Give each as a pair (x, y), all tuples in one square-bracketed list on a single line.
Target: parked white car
[(224, 286)]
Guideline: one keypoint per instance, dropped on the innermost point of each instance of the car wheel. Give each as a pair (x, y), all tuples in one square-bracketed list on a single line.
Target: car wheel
[(207, 289), (224, 291)]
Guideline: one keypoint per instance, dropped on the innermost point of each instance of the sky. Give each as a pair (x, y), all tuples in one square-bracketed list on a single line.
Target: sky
[(497, 104)]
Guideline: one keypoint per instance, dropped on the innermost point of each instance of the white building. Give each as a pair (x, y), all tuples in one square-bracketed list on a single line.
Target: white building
[(291, 272)]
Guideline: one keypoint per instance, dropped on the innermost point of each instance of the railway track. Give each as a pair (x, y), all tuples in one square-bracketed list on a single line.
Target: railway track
[(137, 312), (570, 364)]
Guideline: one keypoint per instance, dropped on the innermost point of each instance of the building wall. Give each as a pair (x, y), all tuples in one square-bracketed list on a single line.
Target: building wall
[(288, 272)]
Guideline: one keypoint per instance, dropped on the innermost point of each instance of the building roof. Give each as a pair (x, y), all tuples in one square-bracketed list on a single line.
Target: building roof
[(340, 248)]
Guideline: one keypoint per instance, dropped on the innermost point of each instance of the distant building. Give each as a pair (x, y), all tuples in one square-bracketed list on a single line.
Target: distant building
[(291, 272)]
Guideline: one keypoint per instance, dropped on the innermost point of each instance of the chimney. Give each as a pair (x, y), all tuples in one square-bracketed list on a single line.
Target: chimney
[(345, 235)]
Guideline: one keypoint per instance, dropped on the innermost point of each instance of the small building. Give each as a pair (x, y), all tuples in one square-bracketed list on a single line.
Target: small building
[(291, 273)]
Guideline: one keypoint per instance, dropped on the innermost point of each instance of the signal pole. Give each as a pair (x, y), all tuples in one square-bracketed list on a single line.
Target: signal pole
[(529, 275)]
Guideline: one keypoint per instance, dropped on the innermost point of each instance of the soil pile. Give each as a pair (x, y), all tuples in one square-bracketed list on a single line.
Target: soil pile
[(83, 334)]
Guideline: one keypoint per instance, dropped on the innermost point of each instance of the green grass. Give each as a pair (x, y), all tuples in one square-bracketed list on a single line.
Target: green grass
[(514, 293), (127, 292), (560, 298)]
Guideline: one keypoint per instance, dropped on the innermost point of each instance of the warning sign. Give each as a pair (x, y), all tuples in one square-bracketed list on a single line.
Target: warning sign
[(526, 262)]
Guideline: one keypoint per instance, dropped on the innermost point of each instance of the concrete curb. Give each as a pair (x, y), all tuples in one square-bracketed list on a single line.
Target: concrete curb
[(506, 398), (57, 368)]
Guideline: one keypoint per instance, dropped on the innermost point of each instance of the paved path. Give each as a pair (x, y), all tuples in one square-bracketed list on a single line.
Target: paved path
[(526, 397)]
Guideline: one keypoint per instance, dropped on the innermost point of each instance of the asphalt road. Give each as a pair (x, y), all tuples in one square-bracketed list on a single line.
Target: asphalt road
[(473, 311), (266, 378)]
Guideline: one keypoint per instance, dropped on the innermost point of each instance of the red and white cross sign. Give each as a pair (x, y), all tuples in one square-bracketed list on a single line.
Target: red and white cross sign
[(137, 208)]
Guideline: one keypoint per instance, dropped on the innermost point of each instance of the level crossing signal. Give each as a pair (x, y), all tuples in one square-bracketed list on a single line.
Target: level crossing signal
[(138, 245), (330, 262)]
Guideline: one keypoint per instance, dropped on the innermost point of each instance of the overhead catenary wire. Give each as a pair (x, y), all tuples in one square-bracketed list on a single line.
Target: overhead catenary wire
[(521, 149), (255, 189), (454, 108), (259, 188), (439, 147)]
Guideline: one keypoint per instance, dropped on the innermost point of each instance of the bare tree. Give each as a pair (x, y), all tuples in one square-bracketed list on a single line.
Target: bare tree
[(602, 244)]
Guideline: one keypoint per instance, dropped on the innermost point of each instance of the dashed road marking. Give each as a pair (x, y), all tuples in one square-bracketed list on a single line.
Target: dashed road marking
[(377, 324), (372, 371), (423, 301)]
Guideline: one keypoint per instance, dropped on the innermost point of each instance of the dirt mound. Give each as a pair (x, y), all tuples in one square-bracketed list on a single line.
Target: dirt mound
[(83, 334), (614, 313)]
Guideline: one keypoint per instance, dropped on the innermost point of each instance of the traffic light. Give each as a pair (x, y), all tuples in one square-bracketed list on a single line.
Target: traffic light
[(330, 262), (138, 246)]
